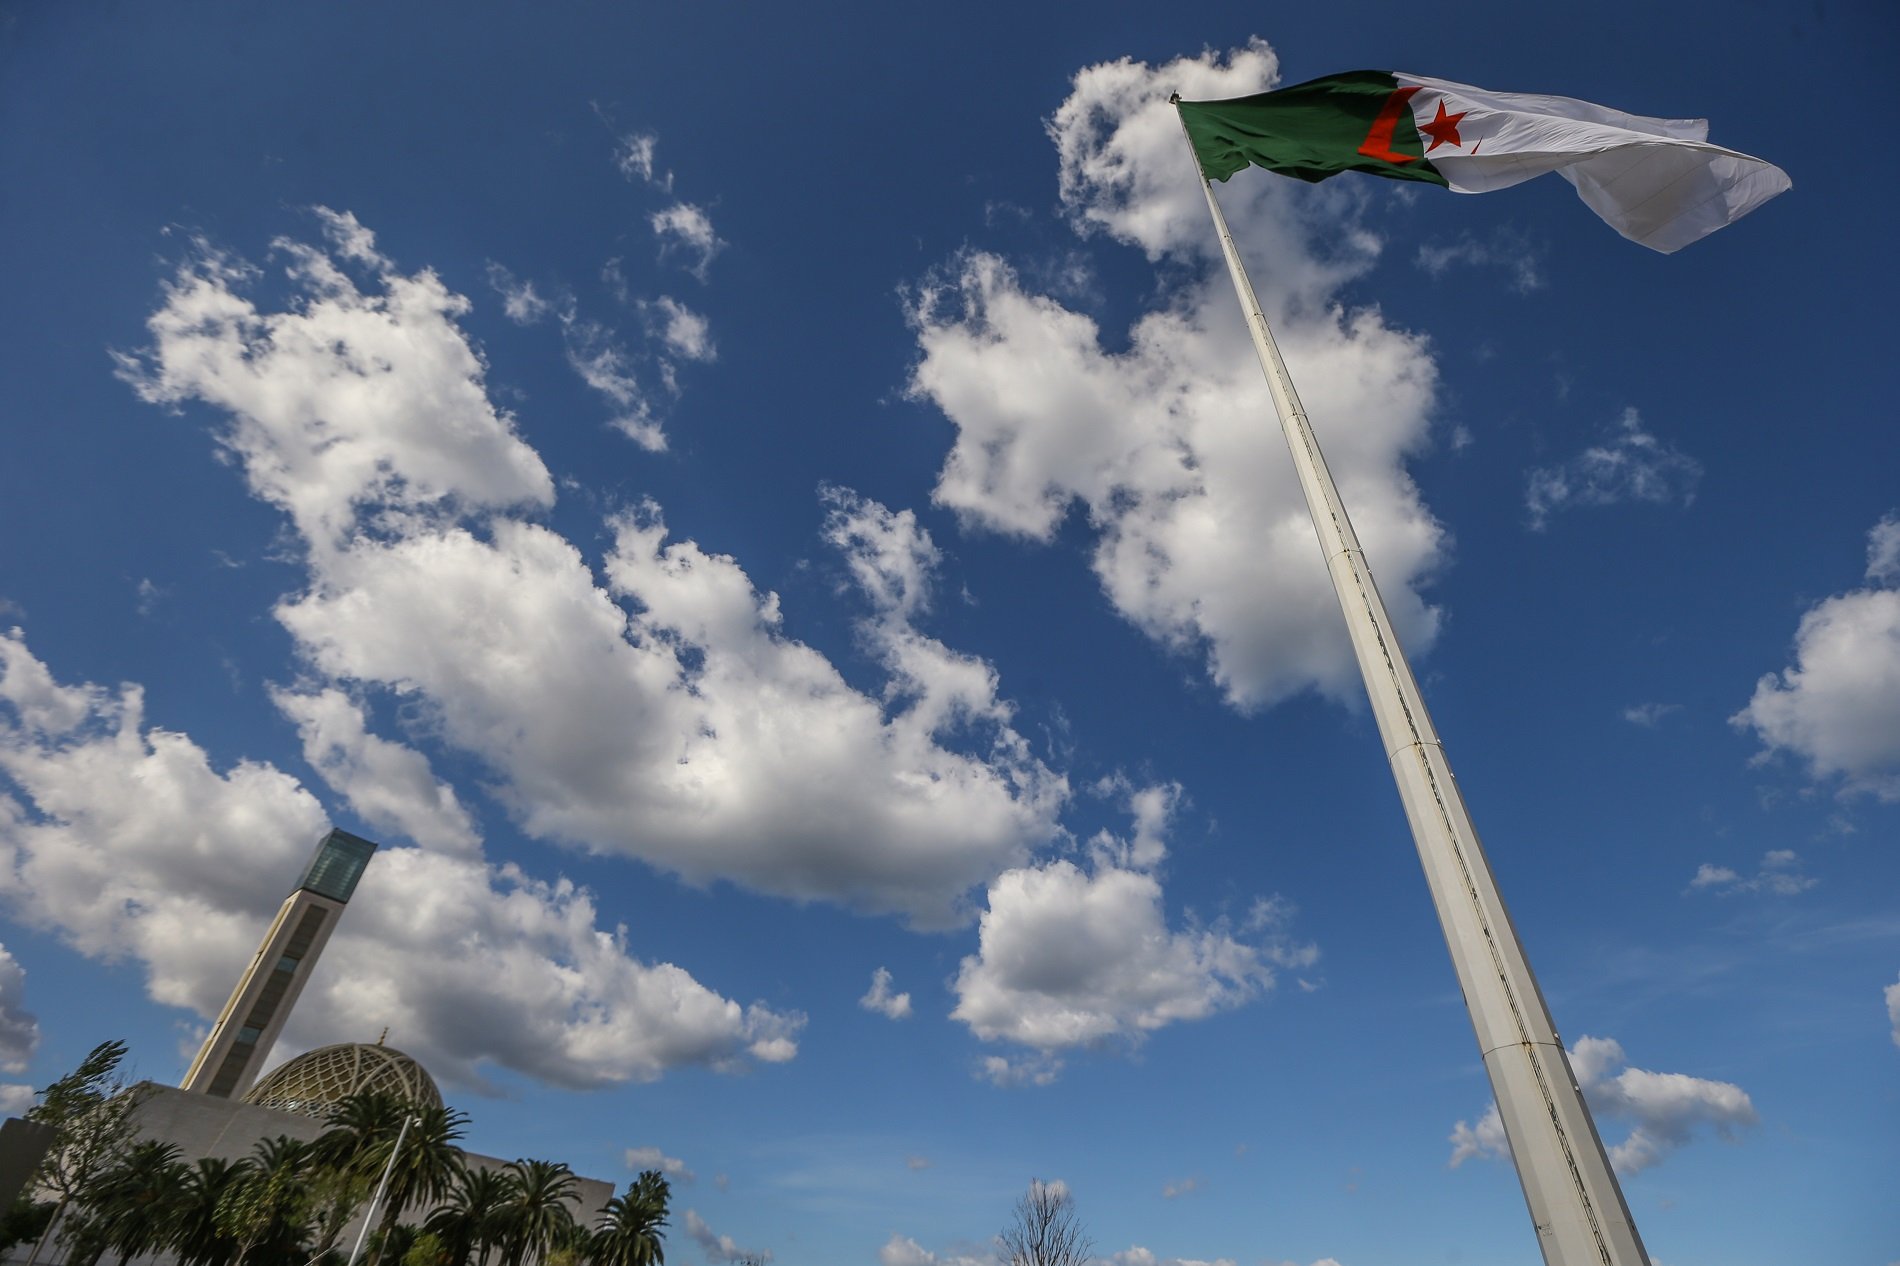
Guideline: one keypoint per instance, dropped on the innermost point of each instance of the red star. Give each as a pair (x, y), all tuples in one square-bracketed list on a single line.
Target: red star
[(1444, 129)]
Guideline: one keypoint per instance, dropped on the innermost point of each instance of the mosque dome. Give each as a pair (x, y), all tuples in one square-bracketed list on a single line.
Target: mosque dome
[(313, 1081)]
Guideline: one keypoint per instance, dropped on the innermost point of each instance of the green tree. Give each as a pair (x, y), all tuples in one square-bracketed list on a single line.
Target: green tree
[(469, 1220), (631, 1230), (136, 1202), (92, 1109), (424, 1166), (27, 1219), (267, 1211), (426, 1250), (197, 1236), (537, 1212)]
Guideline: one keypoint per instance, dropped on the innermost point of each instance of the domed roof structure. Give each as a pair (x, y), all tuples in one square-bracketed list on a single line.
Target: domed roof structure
[(310, 1083)]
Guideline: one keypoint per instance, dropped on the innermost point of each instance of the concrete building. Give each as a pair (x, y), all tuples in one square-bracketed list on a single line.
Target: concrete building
[(248, 1026)]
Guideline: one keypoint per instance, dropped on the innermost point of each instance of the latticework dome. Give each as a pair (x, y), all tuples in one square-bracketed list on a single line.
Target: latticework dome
[(313, 1081)]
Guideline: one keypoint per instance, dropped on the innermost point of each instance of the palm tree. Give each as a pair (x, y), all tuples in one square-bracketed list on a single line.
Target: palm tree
[(469, 1218), (265, 1211), (359, 1124), (137, 1201), (424, 1166), (630, 1231), (538, 1211), (196, 1236)]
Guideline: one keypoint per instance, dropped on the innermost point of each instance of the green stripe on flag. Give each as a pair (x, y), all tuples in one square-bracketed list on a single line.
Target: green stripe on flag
[(1358, 121)]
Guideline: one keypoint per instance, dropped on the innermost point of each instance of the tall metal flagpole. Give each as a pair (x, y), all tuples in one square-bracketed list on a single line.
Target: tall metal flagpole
[(1575, 1201)]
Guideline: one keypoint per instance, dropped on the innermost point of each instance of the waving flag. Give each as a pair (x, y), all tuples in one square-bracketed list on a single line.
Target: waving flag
[(1656, 181)]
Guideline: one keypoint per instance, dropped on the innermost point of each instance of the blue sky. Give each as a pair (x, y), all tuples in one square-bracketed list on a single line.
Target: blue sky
[(703, 487)]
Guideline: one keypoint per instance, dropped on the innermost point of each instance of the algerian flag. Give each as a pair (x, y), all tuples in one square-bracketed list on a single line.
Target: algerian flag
[(1656, 181)]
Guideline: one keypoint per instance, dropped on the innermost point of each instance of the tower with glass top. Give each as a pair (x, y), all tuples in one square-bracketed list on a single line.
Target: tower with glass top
[(248, 1026)]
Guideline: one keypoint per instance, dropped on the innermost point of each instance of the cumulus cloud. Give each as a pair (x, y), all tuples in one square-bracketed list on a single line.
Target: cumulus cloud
[(718, 1248), (1485, 1139), (1664, 1109), (892, 1006), (1893, 1010), (1778, 875), (1632, 465), (1834, 708), (659, 713), (643, 1158), (686, 230), (388, 785), (348, 399), (19, 1028), (1202, 539), (127, 843), (1068, 958)]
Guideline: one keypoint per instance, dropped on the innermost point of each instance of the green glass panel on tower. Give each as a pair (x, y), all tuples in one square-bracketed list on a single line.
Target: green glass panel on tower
[(337, 865)]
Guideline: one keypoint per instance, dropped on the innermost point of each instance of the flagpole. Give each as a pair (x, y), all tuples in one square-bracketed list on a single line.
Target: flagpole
[(1575, 1201)]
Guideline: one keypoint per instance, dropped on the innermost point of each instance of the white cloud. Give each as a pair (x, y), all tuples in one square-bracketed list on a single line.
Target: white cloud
[(683, 330), (521, 302), (1883, 551), (633, 155), (1202, 539), (1153, 809), (17, 1100), (1067, 959), (19, 1028), (1835, 707), (1180, 1187), (718, 1248), (693, 733), (1136, 1255), (1664, 1109), (892, 1006), (643, 1158), (602, 360), (1022, 1070), (687, 229), (1485, 1140), (129, 844), (388, 785), (347, 399), (916, 1163), (596, 354), (1779, 875), (901, 1250), (1893, 1010), (1632, 465), (1649, 715), (1507, 250)]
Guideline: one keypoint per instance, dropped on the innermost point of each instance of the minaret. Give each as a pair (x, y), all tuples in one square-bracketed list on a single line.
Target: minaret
[(248, 1026)]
